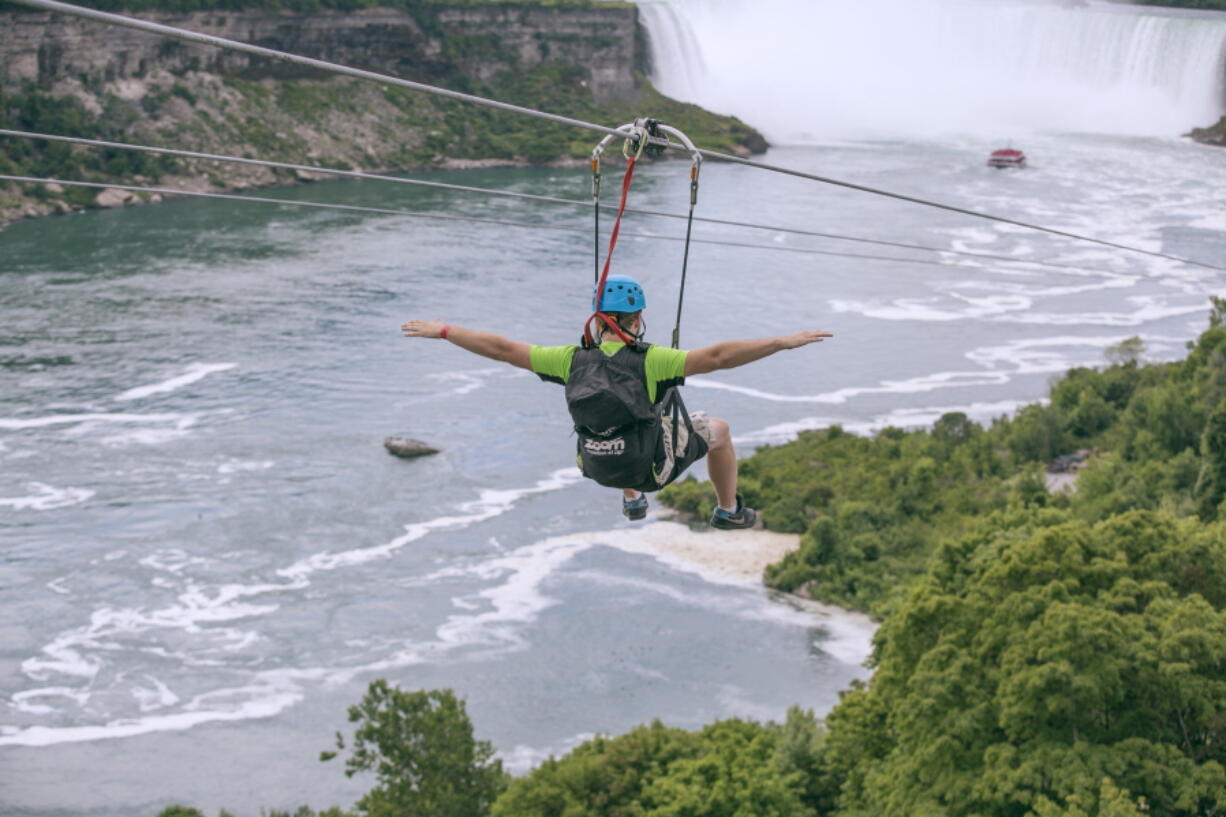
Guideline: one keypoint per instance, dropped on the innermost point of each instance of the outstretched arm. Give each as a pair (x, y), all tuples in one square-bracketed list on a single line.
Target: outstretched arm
[(733, 353), (485, 344)]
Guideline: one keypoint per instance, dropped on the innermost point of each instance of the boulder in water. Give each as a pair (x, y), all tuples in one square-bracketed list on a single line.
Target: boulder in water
[(407, 447)]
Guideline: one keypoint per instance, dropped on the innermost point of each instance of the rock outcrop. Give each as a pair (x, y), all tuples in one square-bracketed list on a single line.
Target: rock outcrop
[(408, 447), (1212, 135)]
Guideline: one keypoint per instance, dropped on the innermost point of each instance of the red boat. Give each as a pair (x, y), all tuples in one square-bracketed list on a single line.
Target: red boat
[(1007, 157)]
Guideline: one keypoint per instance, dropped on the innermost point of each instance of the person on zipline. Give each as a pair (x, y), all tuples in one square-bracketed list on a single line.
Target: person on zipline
[(634, 433)]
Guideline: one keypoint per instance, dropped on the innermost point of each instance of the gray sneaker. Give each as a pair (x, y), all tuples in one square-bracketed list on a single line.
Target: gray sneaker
[(634, 509), (741, 518)]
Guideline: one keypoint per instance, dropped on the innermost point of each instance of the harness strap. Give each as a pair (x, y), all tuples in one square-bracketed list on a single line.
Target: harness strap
[(685, 259), (588, 338)]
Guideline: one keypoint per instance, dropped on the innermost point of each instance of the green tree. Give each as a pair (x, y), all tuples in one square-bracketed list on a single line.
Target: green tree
[(731, 768), (1211, 486), (1129, 350), (1038, 657), (420, 748), (604, 777)]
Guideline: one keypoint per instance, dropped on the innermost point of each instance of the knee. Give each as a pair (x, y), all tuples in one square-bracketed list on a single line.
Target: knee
[(721, 435)]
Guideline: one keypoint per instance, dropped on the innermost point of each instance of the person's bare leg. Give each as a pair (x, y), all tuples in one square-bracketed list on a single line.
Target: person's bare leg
[(721, 464), (630, 493)]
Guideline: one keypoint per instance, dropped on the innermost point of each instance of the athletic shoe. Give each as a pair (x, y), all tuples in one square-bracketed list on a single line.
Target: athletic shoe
[(742, 518), (635, 509)]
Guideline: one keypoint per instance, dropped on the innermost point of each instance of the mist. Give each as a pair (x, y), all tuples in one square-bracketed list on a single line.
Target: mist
[(804, 71)]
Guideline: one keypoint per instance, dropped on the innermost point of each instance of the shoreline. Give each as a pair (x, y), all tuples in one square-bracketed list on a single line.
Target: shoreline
[(109, 198), (739, 558)]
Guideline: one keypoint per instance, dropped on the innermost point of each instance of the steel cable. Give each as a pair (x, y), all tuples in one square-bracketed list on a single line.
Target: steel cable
[(358, 174)]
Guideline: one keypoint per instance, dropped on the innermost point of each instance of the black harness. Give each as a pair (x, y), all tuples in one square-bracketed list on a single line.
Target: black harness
[(625, 440)]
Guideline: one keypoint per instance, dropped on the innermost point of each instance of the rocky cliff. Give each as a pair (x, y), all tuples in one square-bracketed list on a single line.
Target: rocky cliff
[(74, 77), (434, 42)]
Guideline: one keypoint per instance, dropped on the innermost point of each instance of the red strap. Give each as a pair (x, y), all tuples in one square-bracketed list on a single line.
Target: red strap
[(588, 339), (610, 323)]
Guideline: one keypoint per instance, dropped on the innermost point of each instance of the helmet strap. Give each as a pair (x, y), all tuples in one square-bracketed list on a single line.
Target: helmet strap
[(589, 339)]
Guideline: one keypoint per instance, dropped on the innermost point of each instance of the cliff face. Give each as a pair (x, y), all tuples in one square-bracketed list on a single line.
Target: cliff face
[(73, 77), (432, 43)]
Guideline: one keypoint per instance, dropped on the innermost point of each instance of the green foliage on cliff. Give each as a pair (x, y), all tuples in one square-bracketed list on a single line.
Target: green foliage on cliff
[(30, 110), (1214, 5), (314, 6), (1048, 665), (871, 510)]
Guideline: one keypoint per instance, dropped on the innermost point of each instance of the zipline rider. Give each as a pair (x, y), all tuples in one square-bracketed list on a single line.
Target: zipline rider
[(653, 373)]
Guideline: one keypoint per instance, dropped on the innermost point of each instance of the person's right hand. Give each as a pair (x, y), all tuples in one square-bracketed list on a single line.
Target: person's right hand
[(423, 329)]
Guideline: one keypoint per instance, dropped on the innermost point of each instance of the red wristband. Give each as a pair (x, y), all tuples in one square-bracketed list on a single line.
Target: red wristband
[(442, 333)]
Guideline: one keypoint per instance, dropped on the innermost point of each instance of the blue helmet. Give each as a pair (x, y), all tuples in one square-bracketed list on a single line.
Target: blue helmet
[(621, 294)]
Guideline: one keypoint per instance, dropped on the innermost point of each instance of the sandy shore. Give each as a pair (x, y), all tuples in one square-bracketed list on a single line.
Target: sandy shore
[(736, 557)]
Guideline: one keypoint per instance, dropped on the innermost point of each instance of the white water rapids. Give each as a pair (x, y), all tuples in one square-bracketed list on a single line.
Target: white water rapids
[(804, 71)]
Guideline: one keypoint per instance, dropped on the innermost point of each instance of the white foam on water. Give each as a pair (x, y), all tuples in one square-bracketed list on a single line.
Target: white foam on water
[(199, 609), (736, 558), (46, 498), (239, 466), (56, 585), (1038, 355), (178, 421), (193, 374), (468, 381), (904, 309), (926, 416), (155, 696), (1148, 309), (521, 759), (516, 602), (489, 504), (913, 385), (21, 701), (899, 418), (267, 696), (171, 560), (849, 635), (1111, 282), (739, 703)]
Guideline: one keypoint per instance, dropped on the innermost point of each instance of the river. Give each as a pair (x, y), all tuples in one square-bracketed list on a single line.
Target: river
[(208, 554)]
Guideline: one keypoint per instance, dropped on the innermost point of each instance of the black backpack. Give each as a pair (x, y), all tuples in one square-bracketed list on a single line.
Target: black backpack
[(622, 436)]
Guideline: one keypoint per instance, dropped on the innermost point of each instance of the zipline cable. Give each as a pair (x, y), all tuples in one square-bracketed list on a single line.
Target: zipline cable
[(357, 174), (269, 53), (170, 191)]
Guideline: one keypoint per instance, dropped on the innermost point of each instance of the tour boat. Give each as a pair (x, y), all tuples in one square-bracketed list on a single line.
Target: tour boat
[(1007, 157)]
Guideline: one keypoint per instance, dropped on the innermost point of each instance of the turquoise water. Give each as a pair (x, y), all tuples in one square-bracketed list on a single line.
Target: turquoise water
[(208, 554)]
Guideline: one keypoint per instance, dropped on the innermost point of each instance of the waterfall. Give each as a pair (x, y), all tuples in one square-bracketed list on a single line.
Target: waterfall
[(804, 70)]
